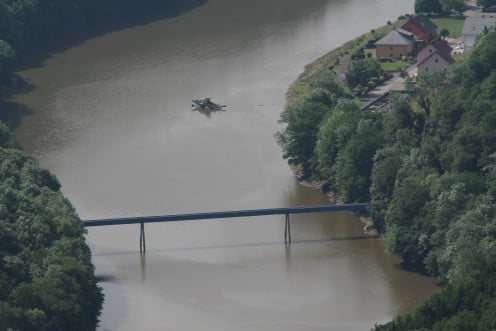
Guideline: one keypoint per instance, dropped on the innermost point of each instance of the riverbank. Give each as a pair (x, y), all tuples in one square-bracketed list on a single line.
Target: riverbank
[(427, 192), (331, 62), (333, 66)]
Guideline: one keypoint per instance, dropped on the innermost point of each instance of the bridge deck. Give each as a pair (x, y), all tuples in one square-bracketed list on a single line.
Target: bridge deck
[(226, 214)]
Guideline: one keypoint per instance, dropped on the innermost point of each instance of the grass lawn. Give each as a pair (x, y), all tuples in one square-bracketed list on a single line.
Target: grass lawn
[(329, 63), (394, 66), (453, 25)]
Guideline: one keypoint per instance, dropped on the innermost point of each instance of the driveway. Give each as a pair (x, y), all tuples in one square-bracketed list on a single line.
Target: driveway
[(472, 9)]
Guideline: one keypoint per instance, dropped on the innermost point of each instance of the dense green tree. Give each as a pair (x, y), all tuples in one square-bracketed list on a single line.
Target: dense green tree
[(404, 220), (452, 232), (333, 136), (444, 33), (449, 6), (482, 60), (300, 135), (427, 7), (47, 280), (303, 119), (486, 3), (360, 71), (7, 140), (429, 169), (6, 59), (353, 165), (425, 87)]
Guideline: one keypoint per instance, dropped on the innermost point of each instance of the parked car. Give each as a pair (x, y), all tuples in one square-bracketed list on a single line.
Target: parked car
[(384, 59)]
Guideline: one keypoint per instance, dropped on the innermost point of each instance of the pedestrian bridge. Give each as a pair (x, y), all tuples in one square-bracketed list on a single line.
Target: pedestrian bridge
[(225, 214)]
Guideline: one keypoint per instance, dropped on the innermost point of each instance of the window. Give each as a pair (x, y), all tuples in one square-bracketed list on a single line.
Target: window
[(436, 60)]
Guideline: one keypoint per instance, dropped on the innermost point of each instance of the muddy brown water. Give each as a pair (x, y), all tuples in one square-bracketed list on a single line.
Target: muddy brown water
[(112, 119)]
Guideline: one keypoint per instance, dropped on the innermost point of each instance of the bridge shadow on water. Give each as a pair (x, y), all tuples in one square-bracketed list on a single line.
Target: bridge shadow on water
[(109, 278)]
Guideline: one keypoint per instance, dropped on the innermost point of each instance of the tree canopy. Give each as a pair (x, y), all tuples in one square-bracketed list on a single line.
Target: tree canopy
[(486, 3), (47, 280), (427, 7), (452, 6), (429, 168)]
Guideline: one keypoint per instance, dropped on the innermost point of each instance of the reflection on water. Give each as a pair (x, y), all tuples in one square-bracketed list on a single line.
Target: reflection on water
[(230, 246)]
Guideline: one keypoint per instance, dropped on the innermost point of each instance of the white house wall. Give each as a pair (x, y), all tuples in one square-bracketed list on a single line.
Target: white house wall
[(434, 62)]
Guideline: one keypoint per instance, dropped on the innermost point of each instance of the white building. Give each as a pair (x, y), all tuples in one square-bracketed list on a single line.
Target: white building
[(434, 56), (430, 59), (475, 26)]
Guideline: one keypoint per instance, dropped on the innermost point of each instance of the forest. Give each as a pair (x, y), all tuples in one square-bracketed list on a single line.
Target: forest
[(429, 168), (47, 280)]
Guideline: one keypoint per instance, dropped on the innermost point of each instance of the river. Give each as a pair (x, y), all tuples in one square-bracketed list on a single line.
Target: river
[(112, 119)]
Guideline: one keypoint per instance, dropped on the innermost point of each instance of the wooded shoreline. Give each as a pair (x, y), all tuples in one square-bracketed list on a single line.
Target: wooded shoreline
[(428, 166)]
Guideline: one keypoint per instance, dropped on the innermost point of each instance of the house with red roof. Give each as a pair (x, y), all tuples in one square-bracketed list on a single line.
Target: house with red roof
[(422, 27)]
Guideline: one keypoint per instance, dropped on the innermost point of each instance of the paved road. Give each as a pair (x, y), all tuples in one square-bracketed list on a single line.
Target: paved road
[(472, 9), (343, 66), (396, 83)]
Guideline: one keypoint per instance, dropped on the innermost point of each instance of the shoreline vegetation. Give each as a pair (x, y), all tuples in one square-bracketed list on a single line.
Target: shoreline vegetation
[(333, 63), (47, 279), (428, 166), (330, 64)]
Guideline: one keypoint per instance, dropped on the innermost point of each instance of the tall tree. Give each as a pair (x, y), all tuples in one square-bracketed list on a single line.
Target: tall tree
[(449, 6), (361, 71), (486, 3), (427, 7), (7, 56)]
